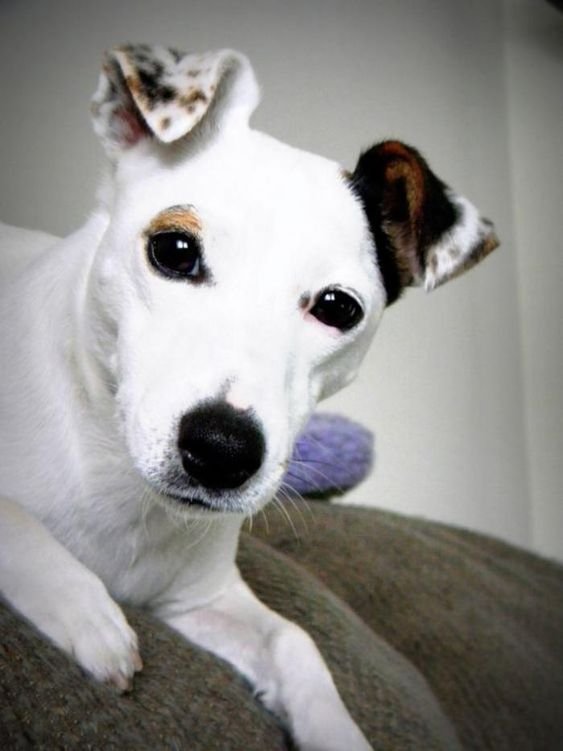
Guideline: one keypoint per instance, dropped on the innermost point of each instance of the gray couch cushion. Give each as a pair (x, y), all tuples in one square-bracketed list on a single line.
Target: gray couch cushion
[(430, 633)]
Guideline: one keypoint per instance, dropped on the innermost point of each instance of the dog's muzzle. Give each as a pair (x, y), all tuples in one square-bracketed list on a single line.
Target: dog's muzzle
[(220, 447)]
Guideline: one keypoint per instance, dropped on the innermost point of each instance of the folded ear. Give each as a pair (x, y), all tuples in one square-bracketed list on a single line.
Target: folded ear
[(153, 92), (424, 233)]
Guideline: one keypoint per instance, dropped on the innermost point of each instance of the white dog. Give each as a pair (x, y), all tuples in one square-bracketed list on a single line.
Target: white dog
[(159, 363)]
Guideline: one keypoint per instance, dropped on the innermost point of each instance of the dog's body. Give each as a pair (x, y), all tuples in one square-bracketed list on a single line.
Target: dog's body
[(150, 400)]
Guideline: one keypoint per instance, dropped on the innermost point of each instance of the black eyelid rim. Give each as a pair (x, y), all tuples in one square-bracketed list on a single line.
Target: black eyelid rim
[(205, 277), (347, 291)]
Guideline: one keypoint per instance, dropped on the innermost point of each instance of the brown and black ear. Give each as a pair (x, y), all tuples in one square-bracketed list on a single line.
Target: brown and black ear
[(424, 233)]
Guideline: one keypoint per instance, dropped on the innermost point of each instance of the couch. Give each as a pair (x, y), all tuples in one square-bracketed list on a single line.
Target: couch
[(437, 637)]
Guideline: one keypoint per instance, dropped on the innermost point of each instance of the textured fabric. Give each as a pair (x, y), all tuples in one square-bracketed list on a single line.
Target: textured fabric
[(480, 619), (332, 455), (430, 633)]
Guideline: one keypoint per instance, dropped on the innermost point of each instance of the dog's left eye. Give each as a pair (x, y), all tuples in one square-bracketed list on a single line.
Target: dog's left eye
[(176, 254), (337, 309)]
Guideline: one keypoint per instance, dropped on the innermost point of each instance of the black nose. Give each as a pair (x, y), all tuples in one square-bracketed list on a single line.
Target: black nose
[(221, 447)]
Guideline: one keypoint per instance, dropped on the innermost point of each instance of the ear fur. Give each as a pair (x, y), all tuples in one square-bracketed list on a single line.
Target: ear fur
[(148, 91), (424, 233)]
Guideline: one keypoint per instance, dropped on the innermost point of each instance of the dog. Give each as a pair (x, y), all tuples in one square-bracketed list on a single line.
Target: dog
[(159, 363)]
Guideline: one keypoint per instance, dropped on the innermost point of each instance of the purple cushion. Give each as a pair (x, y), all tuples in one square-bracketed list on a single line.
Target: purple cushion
[(332, 455)]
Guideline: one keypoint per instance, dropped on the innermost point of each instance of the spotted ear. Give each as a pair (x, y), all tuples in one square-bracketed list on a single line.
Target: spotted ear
[(153, 92), (424, 233)]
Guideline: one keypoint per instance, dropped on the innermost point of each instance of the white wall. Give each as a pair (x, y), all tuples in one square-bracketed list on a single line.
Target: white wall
[(455, 378), (534, 68)]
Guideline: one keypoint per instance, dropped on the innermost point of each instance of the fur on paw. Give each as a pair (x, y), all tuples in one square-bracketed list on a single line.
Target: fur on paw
[(84, 621)]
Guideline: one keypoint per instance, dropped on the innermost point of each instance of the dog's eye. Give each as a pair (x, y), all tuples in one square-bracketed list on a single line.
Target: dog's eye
[(337, 308), (176, 254)]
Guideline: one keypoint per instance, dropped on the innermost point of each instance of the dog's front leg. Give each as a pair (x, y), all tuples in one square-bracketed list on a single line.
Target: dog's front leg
[(63, 599), (281, 662)]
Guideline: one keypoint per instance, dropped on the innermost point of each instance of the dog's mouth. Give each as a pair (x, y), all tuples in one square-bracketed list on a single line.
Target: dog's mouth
[(181, 493), (191, 497), (187, 498), (191, 500)]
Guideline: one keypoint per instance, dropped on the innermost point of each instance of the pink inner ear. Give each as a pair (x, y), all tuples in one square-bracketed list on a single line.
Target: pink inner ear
[(132, 128)]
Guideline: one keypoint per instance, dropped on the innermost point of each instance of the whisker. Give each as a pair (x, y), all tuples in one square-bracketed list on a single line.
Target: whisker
[(249, 521), (289, 495), (323, 475), (302, 462), (279, 506), (295, 498), (207, 524), (266, 522)]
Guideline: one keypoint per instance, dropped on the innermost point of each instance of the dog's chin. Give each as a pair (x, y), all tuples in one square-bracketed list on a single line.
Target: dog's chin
[(191, 500)]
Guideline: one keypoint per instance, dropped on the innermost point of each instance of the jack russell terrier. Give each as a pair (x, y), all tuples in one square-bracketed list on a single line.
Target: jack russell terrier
[(159, 363)]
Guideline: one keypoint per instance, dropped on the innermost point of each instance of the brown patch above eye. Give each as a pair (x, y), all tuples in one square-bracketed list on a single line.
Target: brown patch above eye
[(176, 218)]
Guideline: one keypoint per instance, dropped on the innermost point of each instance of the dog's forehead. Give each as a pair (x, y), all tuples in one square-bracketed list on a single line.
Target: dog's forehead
[(256, 182), (271, 188)]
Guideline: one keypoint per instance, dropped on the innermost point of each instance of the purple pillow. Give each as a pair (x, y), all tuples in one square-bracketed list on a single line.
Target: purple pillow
[(330, 456)]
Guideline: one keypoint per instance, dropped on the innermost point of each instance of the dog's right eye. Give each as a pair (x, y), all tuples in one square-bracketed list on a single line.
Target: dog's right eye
[(177, 255), (336, 308)]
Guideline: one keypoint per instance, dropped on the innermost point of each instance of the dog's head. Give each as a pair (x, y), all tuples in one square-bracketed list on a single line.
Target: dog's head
[(241, 280)]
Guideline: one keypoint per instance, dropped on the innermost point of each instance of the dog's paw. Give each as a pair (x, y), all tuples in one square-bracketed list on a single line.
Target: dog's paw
[(81, 618), (103, 643), (310, 704)]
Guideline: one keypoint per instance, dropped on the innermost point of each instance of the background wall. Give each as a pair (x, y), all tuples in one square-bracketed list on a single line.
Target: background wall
[(534, 76), (462, 386)]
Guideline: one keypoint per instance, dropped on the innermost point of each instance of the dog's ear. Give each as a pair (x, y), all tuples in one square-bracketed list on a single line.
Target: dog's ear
[(424, 233), (153, 92)]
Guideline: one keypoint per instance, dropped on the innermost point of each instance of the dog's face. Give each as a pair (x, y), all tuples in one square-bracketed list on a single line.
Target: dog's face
[(243, 277), (241, 280)]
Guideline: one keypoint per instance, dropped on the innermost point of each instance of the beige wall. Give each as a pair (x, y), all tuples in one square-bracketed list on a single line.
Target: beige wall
[(454, 385)]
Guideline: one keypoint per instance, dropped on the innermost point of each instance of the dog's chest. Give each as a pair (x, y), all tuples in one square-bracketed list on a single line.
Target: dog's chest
[(144, 555)]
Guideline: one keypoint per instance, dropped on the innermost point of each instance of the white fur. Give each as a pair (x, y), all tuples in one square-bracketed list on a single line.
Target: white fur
[(101, 357), (454, 249)]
